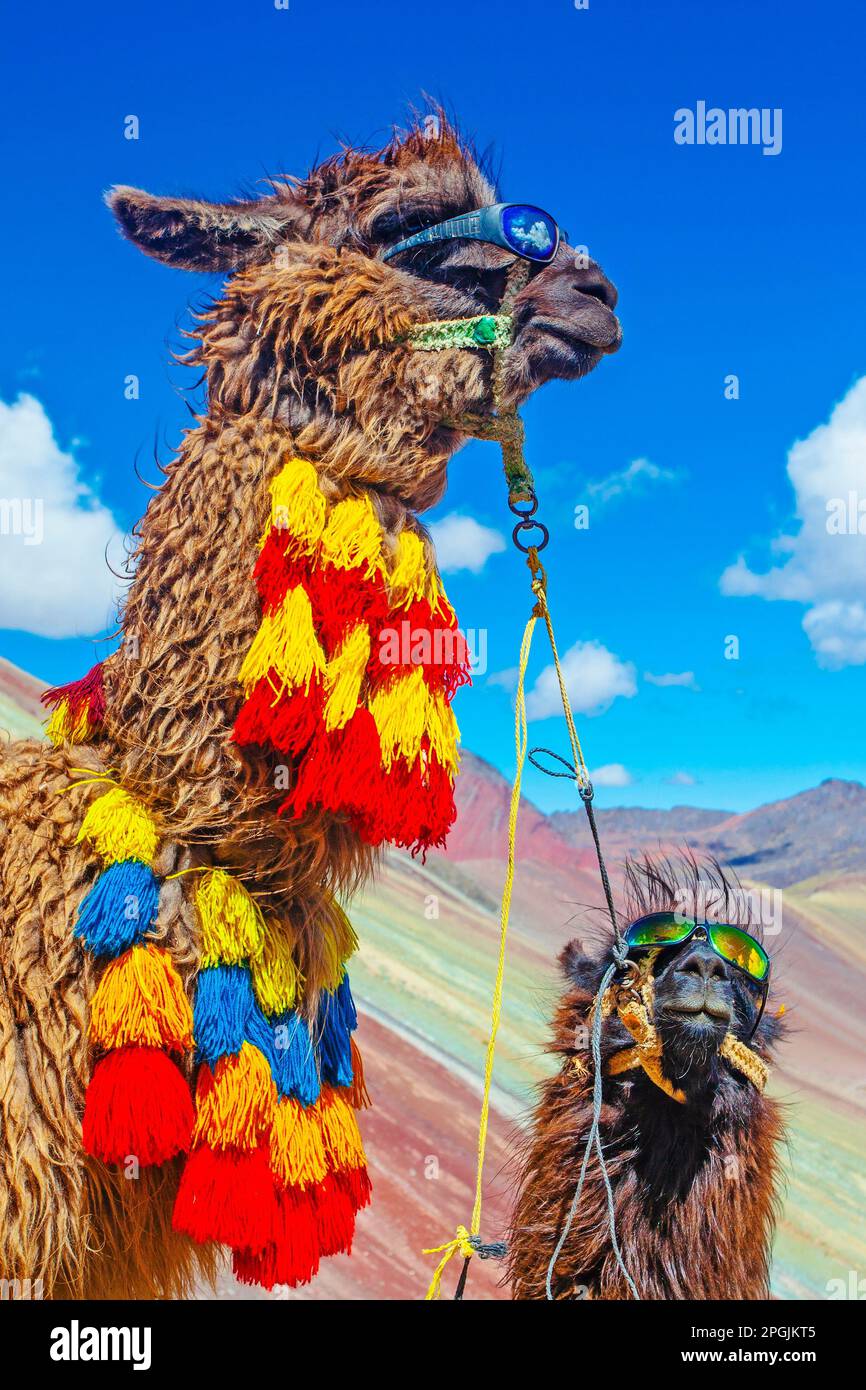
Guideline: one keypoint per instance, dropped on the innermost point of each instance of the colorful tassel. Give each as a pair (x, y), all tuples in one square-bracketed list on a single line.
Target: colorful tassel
[(343, 677), (285, 644), (78, 708), (352, 538), (330, 680), (297, 505), (232, 925), (228, 1196), (275, 974), (297, 1152), (138, 1105), (140, 1001), (296, 1071), (294, 1258), (358, 1097), (224, 1002), (138, 1102), (119, 828), (235, 1102), (337, 1019), (119, 909)]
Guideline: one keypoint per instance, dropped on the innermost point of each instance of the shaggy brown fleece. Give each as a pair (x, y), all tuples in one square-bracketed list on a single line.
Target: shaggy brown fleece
[(299, 357)]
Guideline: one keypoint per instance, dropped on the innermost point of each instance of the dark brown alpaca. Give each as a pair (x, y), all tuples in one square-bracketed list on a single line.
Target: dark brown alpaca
[(695, 1184), (301, 356)]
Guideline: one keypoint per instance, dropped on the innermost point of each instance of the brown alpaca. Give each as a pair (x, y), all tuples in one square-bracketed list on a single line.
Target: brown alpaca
[(301, 356), (694, 1182)]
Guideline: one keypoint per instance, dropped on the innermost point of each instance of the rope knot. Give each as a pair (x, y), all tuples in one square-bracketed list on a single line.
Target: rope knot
[(461, 1243)]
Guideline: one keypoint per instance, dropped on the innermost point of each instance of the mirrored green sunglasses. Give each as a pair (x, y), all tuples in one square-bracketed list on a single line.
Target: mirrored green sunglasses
[(732, 944)]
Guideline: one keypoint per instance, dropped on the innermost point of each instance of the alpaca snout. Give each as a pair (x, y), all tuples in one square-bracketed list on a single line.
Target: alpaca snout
[(697, 988), (573, 300)]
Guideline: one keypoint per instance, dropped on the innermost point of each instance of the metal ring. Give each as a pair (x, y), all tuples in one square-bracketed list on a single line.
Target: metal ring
[(527, 525), (524, 507)]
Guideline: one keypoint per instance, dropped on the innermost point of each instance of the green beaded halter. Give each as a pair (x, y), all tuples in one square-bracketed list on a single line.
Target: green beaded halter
[(482, 331)]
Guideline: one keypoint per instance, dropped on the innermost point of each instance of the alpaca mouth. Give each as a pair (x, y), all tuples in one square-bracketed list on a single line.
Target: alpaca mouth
[(598, 328), (705, 1014)]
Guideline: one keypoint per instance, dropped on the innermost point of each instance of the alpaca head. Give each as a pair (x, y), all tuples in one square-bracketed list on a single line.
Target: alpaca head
[(308, 327), (698, 998)]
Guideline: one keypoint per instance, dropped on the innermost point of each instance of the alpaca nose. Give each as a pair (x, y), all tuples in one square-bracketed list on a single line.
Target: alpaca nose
[(703, 963)]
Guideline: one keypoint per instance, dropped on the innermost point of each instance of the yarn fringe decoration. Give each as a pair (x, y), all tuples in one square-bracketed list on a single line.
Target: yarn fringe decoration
[(353, 669), (277, 1169), (138, 1104), (77, 709)]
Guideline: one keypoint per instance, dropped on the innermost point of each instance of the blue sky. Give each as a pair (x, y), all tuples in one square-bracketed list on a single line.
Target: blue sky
[(728, 261)]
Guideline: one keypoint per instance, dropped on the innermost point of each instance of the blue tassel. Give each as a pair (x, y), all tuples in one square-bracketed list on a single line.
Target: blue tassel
[(337, 1020), (224, 1002), (296, 1073), (119, 909), (259, 1032), (346, 1004)]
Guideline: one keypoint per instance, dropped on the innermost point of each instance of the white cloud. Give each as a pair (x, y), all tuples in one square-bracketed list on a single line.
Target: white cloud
[(823, 565), (54, 533), (594, 677), (463, 544), (681, 779), (631, 479), (686, 679), (507, 679), (611, 775)]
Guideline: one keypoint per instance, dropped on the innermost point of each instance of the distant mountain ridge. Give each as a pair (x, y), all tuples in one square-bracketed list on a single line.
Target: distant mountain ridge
[(822, 830)]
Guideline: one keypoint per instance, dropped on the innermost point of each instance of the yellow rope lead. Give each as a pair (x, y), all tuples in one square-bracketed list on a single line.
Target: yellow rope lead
[(462, 1240)]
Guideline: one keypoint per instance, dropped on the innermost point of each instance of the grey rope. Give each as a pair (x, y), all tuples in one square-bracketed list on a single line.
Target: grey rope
[(619, 962)]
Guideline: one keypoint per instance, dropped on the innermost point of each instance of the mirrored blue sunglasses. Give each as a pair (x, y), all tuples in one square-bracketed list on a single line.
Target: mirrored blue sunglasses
[(525, 230)]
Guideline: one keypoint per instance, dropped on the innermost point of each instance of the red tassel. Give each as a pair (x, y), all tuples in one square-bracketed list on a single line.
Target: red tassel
[(138, 1105), (277, 571), (335, 1217), (341, 599), (341, 771), (87, 693), (286, 722), (356, 1184), (228, 1196), (413, 808), (423, 638), (293, 1258)]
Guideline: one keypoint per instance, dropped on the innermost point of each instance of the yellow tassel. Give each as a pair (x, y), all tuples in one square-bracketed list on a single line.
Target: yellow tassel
[(140, 1001), (344, 676), (119, 827), (353, 538), (443, 733), (232, 925), (62, 728), (412, 577), (408, 577), (297, 504), (236, 1104), (340, 1133), (286, 642), (337, 941), (401, 712), (297, 1150), (276, 978)]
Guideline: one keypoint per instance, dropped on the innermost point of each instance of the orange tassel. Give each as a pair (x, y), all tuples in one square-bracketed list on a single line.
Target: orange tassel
[(140, 1001)]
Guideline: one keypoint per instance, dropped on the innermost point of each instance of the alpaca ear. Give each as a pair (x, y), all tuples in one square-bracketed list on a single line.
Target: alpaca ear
[(196, 235)]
